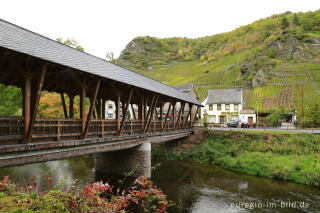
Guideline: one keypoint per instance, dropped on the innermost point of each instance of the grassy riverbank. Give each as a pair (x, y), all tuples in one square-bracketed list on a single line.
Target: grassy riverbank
[(294, 157)]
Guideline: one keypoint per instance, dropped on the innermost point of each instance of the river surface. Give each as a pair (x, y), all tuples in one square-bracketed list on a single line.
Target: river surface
[(197, 188)]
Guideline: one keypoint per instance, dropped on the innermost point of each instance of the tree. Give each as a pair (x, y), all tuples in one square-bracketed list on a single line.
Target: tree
[(295, 19), (313, 113), (110, 56), (284, 23), (10, 100), (71, 42), (271, 53)]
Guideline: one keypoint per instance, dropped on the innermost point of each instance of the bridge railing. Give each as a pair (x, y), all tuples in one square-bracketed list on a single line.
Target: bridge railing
[(12, 128)]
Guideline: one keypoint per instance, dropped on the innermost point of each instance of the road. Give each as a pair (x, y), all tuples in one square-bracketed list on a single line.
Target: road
[(315, 131)]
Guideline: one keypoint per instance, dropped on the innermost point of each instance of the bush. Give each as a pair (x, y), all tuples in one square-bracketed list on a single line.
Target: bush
[(271, 53)]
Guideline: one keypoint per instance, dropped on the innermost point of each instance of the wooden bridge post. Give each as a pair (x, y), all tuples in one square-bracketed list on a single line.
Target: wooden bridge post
[(64, 105), (148, 114), (141, 114), (102, 128), (182, 117), (179, 115), (124, 114), (166, 118), (194, 117), (134, 114), (35, 101), (58, 130), (92, 104), (103, 108), (83, 104), (174, 113), (27, 97), (161, 114), (71, 105), (118, 111)]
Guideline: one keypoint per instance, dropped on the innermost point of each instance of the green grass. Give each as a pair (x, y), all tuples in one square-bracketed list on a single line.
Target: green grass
[(279, 155)]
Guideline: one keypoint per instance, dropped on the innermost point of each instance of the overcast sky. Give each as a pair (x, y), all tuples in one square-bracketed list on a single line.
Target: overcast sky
[(101, 26)]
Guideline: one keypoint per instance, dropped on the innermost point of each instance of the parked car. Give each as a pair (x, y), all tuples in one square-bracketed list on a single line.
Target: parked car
[(232, 123)]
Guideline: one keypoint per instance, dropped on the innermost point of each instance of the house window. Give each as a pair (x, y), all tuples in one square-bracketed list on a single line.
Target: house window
[(110, 115), (219, 106), (210, 107), (227, 106), (212, 119), (236, 107), (110, 106)]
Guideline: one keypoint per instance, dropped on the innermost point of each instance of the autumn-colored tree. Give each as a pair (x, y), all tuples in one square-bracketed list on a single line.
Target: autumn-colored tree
[(50, 105)]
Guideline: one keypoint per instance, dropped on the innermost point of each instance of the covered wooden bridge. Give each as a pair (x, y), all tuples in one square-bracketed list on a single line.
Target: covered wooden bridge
[(35, 64)]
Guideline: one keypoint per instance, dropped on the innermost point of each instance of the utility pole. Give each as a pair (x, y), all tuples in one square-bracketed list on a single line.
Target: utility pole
[(302, 108), (257, 116)]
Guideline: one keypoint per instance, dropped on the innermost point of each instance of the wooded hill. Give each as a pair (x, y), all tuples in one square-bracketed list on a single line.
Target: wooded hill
[(269, 58)]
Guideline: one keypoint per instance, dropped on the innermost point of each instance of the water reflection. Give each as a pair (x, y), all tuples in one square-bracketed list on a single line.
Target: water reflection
[(196, 187)]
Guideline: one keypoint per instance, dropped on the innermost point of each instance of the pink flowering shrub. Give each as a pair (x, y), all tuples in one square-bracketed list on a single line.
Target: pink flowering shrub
[(141, 196)]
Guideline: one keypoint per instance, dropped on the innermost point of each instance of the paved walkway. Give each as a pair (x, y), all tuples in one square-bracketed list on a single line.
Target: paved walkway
[(315, 131)]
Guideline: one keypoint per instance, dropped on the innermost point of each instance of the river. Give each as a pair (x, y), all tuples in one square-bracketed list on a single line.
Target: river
[(197, 188)]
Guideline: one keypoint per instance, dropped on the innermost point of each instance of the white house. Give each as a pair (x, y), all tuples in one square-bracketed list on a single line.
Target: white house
[(223, 105), (248, 116), (110, 110)]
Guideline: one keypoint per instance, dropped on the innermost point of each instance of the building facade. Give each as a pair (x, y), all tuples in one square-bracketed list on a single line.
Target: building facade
[(222, 105)]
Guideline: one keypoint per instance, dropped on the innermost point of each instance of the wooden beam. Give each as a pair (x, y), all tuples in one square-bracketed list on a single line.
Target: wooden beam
[(83, 104), (93, 100), (71, 105), (124, 114), (182, 116), (103, 108), (98, 108), (134, 114), (152, 112), (27, 100), (189, 113), (145, 108), (142, 113), (148, 114), (35, 102), (174, 114), (179, 115), (118, 111), (161, 114), (64, 105), (194, 118), (166, 118)]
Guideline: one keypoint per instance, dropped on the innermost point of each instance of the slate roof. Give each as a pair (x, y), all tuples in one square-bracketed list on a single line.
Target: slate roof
[(247, 111), (24, 41), (225, 96), (184, 88)]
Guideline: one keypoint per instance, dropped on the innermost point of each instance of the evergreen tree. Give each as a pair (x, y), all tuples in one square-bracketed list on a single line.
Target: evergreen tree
[(284, 23), (295, 20)]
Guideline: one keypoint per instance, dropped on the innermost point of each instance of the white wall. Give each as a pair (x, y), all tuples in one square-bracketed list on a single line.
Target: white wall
[(244, 118), (214, 112)]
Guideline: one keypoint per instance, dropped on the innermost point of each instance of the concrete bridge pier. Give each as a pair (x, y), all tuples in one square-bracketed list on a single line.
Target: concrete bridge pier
[(136, 159)]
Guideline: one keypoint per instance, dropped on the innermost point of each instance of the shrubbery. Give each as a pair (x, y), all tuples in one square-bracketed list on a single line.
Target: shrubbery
[(142, 196)]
